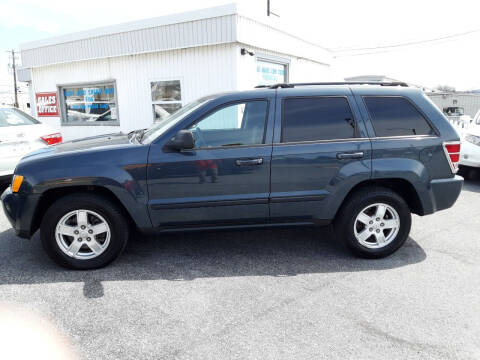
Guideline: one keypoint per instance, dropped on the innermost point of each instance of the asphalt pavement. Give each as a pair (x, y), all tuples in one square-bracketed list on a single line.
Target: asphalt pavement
[(263, 294)]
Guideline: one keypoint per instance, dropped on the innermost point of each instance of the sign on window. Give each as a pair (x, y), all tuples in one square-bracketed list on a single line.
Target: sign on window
[(270, 73), (90, 104)]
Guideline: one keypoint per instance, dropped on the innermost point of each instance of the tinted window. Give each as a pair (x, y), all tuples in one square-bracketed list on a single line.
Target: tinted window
[(320, 118), (396, 116), (232, 125)]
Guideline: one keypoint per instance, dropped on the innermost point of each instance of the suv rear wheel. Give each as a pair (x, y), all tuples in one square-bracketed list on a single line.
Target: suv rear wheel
[(374, 223), (84, 231)]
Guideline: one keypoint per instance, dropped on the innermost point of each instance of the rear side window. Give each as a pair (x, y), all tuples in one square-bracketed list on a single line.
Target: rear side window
[(396, 116), (14, 117), (319, 118)]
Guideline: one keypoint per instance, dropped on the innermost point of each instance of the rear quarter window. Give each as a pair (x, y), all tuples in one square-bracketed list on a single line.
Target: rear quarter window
[(396, 116), (316, 119)]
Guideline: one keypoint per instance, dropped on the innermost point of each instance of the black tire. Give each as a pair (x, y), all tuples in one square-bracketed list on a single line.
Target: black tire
[(345, 220), (119, 228)]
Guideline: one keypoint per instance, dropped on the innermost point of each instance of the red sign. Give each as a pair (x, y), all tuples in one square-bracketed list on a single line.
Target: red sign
[(47, 104)]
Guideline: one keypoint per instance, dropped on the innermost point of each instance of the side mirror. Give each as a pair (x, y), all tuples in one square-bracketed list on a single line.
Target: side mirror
[(183, 140)]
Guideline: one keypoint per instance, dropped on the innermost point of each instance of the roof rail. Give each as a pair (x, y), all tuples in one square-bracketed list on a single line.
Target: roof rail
[(291, 85)]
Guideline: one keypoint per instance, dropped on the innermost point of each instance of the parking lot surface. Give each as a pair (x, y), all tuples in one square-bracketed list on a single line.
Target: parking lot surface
[(263, 294)]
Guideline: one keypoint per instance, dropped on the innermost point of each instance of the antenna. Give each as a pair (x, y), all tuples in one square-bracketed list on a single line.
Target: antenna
[(270, 12)]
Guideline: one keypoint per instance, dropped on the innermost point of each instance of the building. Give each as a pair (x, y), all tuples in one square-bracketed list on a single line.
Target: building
[(124, 77), (457, 103)]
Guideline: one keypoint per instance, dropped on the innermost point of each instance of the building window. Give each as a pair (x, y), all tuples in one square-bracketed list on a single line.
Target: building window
[(89, 104), (269, 73), (166, 98)]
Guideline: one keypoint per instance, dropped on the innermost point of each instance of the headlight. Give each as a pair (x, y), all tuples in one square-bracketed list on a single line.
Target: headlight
[(473, 139), (16, 182)]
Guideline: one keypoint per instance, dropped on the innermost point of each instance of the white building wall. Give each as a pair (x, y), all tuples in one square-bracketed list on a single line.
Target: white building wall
[(201, 70), (264, 36)]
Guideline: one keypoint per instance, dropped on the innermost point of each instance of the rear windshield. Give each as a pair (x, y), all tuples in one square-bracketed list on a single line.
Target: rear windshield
[(14, 117), (396, 116)]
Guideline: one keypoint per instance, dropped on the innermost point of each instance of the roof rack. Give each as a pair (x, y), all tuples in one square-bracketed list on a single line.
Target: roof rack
[(291, 85)]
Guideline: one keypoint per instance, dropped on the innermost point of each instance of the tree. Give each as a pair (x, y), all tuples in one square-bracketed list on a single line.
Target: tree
[(444, 88)]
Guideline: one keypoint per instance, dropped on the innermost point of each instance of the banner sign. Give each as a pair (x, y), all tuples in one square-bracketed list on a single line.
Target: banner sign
[(47, 104)]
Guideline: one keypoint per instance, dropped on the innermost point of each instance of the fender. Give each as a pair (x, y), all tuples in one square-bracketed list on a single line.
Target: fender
[(124, 175), (410, 170)]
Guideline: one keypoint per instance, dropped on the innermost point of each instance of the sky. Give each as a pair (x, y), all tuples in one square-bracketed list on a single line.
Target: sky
[(340, 25)]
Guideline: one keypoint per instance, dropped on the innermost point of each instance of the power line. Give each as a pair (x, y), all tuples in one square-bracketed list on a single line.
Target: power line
[(385, 47)]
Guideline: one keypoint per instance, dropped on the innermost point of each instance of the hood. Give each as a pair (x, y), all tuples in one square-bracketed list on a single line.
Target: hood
[(101, 142)]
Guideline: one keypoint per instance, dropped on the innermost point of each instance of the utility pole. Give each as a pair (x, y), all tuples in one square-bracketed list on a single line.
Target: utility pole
[(15, 89), (14, 79)]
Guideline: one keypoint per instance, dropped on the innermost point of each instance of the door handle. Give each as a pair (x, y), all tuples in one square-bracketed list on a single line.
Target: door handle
[(249, 162), (353, 155)]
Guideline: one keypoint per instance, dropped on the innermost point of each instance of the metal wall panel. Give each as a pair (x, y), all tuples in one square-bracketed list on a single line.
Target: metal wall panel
[(469, 102), (210, 31)]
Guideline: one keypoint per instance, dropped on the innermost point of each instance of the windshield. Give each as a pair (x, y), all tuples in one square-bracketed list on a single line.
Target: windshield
[(14, 117), (158, 129)]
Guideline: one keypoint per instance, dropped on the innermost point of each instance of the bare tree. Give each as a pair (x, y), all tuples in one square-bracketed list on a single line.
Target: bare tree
[(444, 88)]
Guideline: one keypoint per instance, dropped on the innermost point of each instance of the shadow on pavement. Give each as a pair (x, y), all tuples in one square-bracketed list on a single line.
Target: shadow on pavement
[(471, 185), (188, 256)]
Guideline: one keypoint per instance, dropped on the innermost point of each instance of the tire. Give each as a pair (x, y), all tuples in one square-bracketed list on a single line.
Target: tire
[(350, 222), (107, 231)]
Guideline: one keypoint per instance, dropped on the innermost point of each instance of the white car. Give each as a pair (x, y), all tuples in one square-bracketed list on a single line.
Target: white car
[(20, 134), (470, 149)]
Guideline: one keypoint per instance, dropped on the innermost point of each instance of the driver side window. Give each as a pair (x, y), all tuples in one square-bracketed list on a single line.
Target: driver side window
[(232, 125)]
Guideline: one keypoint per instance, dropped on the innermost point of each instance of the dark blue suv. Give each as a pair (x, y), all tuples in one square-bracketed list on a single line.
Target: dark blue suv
[(363, 156)]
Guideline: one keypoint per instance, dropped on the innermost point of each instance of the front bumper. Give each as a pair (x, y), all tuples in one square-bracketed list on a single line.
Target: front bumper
[(20, 211), (444, 192)]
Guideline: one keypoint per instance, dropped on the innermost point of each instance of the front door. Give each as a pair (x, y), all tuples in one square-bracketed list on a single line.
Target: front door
[(224, 179)]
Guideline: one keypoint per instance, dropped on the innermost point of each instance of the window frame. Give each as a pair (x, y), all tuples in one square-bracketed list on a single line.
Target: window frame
[(422, 114), (224, 105), (159, 102), (63, 105), (282, 128)]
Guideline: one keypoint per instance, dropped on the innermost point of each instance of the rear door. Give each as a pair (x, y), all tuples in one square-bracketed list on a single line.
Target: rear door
[(402, 134), (320, 151)]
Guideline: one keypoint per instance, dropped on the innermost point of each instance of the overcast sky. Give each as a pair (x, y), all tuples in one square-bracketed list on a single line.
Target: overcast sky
[(338, 24)]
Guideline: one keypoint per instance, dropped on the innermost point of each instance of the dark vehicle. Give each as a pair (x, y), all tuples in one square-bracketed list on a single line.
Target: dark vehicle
[(363, 156)]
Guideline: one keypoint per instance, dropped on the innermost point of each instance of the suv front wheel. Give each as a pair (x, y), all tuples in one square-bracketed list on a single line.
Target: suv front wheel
[(84, 231), (374, 223)]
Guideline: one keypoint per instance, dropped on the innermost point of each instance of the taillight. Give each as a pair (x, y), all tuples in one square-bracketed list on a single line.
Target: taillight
[(452, 152), (52, 138)]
